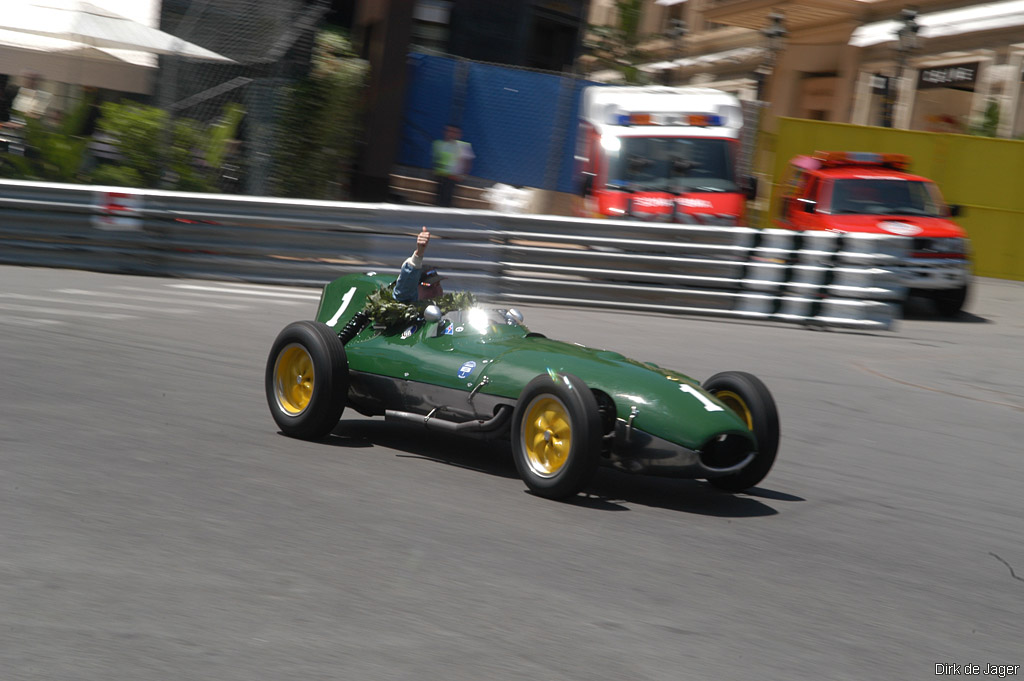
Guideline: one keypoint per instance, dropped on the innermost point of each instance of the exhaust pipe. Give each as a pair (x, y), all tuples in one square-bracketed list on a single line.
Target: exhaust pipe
[(430, 422)]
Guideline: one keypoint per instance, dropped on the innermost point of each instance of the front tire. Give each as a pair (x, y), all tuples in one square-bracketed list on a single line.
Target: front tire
[(949, 302), (306, 380), (556, 435), (746, 395)]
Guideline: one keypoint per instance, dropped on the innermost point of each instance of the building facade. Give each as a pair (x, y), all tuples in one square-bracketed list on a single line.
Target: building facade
[(540, 34), (935, 66)]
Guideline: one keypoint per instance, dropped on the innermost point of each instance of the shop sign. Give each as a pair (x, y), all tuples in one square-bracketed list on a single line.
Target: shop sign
[(958, 76)]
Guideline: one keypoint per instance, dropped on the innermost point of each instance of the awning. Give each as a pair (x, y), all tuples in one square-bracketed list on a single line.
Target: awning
[(668, 3), (972, 19), (96, 26), (735, 56)]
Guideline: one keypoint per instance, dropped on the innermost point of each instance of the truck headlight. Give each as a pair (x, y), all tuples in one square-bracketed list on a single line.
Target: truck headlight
[(950, 245)]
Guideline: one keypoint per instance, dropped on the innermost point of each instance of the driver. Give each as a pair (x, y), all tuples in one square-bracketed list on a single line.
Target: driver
[(415, 282)]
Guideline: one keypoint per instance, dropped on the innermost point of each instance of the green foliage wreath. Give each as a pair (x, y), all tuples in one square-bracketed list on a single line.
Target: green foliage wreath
[(383, 309)]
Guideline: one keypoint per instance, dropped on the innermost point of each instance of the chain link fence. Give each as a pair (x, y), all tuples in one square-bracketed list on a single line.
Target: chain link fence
[(271, 44)]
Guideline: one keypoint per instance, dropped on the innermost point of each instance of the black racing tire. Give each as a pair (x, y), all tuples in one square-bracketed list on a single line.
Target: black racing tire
[(949, 302), (749, 397), (307, 380), (556, 435)]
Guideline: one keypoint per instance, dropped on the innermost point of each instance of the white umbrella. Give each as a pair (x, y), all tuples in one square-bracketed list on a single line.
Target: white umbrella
[(63, 61), (96, 27)]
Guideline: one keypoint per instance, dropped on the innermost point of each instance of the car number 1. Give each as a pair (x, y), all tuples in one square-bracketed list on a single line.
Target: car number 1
[(346, 299), (708, 404)]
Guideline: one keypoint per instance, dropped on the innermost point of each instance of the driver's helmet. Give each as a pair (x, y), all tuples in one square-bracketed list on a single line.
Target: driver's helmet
[(430, 284)]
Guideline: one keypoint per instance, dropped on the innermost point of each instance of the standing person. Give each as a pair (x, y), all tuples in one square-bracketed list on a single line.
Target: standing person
[(32, 101), (452, 159)]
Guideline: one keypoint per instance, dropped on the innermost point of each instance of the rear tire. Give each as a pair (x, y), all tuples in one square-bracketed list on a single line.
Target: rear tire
[(746, 395), (556, 435), (306, 380)]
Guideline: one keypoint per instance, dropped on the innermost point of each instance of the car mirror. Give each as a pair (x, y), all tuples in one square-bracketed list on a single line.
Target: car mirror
[(514, 315), (809, 205), (955, 210), (432, 313), (750, 188), (588, 185)]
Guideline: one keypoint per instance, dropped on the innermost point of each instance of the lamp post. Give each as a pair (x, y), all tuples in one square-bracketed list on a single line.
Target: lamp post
[(906, 42), (774, 33)]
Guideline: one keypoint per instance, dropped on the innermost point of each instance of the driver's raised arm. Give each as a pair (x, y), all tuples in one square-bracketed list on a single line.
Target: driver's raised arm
[(407, 286)]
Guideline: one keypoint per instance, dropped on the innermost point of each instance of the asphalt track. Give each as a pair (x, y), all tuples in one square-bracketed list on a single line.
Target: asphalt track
[(154, 526)]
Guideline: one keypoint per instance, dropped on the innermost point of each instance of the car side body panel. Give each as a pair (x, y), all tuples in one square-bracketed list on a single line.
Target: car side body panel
[(424, 360)]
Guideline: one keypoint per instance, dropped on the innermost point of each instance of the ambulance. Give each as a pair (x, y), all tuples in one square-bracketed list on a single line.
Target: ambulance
[(661, 153)]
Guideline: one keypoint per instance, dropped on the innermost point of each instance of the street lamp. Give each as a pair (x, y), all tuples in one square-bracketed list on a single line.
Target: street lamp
[(775, 32), (906, 42)]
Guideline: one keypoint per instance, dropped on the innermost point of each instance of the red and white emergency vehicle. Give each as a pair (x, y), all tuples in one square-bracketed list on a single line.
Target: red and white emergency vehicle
[(846, 191), (661, 153)]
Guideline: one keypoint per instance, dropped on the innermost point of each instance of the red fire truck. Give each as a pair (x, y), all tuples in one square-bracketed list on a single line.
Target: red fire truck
[(661, 153), (849, 191)]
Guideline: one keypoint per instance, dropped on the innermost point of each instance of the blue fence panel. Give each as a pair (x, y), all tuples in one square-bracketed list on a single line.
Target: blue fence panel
[(522, 124), (509, 117), (567, 181), (429, 93)]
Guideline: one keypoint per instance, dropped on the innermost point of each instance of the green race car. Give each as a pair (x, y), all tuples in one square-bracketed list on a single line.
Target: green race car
[(457, 367)]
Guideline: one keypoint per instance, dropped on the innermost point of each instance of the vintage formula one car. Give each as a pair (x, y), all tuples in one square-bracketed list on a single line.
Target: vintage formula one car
[(457, 367)]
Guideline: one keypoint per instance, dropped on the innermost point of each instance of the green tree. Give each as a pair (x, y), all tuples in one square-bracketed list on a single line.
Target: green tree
[(618, 47), (320, 123), (54, 153), (989, 122), (136, 131)]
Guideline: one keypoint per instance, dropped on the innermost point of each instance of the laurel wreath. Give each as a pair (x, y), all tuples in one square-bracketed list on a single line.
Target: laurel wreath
[(384, 310)]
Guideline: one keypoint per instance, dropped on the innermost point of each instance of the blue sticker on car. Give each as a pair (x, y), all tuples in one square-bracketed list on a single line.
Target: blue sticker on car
[(466, 369), (408, 332), (449, 330)]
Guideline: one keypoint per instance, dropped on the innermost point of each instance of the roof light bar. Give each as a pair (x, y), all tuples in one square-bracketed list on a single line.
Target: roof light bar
[(695, 120), (844, 158)]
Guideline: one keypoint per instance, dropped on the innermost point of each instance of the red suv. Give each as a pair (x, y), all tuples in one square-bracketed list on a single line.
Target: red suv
[(844, 191)]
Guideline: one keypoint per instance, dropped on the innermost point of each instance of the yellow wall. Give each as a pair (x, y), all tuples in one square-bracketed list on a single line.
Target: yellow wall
[(984, 175)]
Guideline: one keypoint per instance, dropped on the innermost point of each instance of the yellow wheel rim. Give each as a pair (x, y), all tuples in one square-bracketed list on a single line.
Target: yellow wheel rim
[(547, 435), (293, 379), (737, 404)]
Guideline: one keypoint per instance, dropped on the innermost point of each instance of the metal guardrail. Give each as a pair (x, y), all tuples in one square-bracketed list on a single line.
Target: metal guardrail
[(811, 278)]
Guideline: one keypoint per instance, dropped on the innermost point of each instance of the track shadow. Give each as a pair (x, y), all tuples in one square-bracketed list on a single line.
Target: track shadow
[(612, 487), (610, 490), (492, 457), (921, 309)]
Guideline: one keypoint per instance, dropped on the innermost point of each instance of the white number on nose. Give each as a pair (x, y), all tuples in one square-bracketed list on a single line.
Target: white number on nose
[(708, 404), (346, 299)]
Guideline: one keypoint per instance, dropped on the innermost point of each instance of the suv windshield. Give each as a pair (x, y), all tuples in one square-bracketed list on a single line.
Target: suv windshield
[(886, 197), (673, 164)]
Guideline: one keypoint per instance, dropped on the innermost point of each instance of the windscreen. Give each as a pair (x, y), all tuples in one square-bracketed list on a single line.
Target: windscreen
[(886, 197), (480, 321), (673, 164)]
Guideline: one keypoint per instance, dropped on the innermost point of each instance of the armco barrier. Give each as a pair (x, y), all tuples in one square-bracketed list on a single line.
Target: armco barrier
[(818, 279)]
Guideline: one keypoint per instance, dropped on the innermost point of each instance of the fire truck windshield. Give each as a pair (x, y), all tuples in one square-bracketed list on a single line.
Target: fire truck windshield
[(673, 164), (886, 197)]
